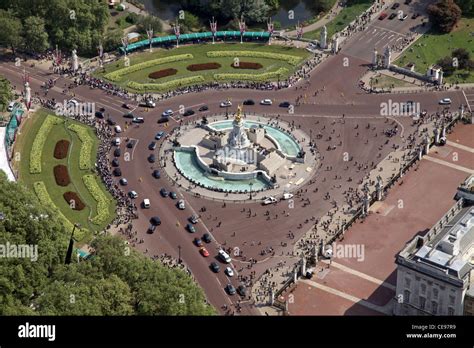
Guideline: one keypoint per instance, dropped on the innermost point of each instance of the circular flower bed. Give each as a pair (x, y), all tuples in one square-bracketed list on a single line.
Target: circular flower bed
[(61, 175), (203, 66), (73, 200), (162, 73), (247, 65), (61, 149)]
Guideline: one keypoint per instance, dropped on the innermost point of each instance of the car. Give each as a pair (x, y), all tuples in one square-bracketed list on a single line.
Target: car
[(151, 158), (163, 120), (249, 102), (230, 289), (266, 102), (126, 106), (395, 6), (123, 182), (215, 267), (408, 2), (164, 193), (242, 290), (269, 200), (117, 141), (204, 252), (167, 113), (415, 15), (10, 106), (117, 152), (285, 104), (402, 17), (197, 242), (392, 16), (152, 146), (156, 174), (118, 129), (445, 101), (181, 205), (203, 108), (287, 195), (189, 112), (173, 195), (382, 16), (159, 135), (226, 104), (117, 172), (148, 103), (229, 271), (99, 114), (132, 194), (224, 256), (115, 162), (146, 203), (191, 228), (151, 228), (138, 120), (129, 115), (131, 144), (111, 121), (193, 219), (155, 220), (206, 237)]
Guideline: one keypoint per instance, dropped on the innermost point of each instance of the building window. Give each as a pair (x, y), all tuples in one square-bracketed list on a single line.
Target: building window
[(450, 311), (422, 302), (434, 307), (407, 282), (423, 288), (451, 299), (435, 293), (406, 296)]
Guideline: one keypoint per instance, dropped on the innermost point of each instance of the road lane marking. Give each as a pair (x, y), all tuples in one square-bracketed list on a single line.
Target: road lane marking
[(450, 165), (460, 146)]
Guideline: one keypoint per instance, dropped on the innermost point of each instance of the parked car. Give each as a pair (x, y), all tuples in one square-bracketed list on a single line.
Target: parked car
[(152, 146), (215, 267), (242, 290), (224, 256), (266, 102), (115, 162), (395, 6), (229, 271), (193, 219), (408, 2), (226, 104), (382, 16), (99, 114), (155, 220), (151, 158), (198, 242), (269, 200), (146, 203), (392, 16), (117, 152), (249, 102), (285, 104), (167, 113), (129, 115), (138, 120), (287, 195), (206, 237), (118, 129), (159, 135), (204, 252), (132, 194), (131, 143), (181, 205), (117, 172), (164, 193), (156, 174), (117, 141), (151, 229), (123, 182), (230, 289), (204, 108), (148, 103), (189, 112), (173, 195), (111, 121), (191, 228), (445, 101), (126, 106)]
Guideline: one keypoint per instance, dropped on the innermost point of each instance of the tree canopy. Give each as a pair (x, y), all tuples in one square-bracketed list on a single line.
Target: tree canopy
[(116, 280), (444, 14)]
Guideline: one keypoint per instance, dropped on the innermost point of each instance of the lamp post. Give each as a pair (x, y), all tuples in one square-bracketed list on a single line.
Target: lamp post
[(71, 245), (213, 25), (149, 34), (251, 184), (271, 28), (227, 107), (176, 28), (242, 28)]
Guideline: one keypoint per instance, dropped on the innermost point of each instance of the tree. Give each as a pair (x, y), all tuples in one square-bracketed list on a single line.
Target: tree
[(35, 36), (147, 22), (467, 6), (462, 56), (444, 15), (190, 22), (255, 11), (447, 65), (10, 33)]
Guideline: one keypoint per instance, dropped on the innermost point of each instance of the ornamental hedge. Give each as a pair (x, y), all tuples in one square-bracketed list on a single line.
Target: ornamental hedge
[(82, 132), (253, 77), (99, 196), (118, 74), (44, 198), (293, 60), (38, 143), (165, 85)]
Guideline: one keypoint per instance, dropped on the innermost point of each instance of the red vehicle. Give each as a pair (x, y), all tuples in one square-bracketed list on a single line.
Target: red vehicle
[(204, 252), (382, 16)]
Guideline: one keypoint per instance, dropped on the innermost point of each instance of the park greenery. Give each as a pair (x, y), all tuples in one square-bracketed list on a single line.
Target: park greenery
[(115, 280), (6, 94)]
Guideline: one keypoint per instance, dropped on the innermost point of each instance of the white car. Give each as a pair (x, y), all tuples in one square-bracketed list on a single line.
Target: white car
[(10, 106), (117, 141), (181, 205), (287, 195), (146, 203), (229, 271), (269, 200), (445, 101), (167, 113), (150, 103), (226, 103), (224, 256), (133, 194), (118, 129), (266, 102)]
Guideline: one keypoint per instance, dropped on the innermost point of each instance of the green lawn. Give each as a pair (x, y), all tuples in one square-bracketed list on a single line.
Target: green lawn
[(433, 46), (23, 145), (389, 81), (199, 54), (346, 16)]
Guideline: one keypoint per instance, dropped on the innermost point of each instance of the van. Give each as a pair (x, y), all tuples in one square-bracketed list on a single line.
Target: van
[(224, 256), (117, 141), (146, 203)]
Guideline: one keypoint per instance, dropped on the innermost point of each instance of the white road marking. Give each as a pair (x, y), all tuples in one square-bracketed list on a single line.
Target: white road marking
[(450, 165), (460, 146)]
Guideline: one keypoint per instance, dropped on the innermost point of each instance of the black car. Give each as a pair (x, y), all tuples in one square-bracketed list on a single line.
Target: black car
[(241, 290), (151, 158), (111, 121), (156, 174), (99, 114), (189, 112), (152, 146), (117, 172), (215, 267), (230, 289), (163, 120), (151, 229), (408, 2), (392, 16), (115, 162), (249, 102), (285, 104), (204, 108), (395, 6), (117, 152), (155, 220), (129, 115), (131, 144), (415, 15), (206, 237), (163, 192)]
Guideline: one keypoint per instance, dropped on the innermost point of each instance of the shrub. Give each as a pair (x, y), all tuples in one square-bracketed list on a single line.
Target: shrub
[(203, 66), (118, 74), (165, 85), (85, 159), (38, 143), (162, 73), (253, 77), (100, 197), (293, 60), (61, 175), (61, 149)]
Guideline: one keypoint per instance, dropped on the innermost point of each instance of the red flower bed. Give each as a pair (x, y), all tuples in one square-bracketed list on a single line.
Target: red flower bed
[(162, 73), (61, 149), (61, 175), (203, 66), (247, 65), (73, 200)]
